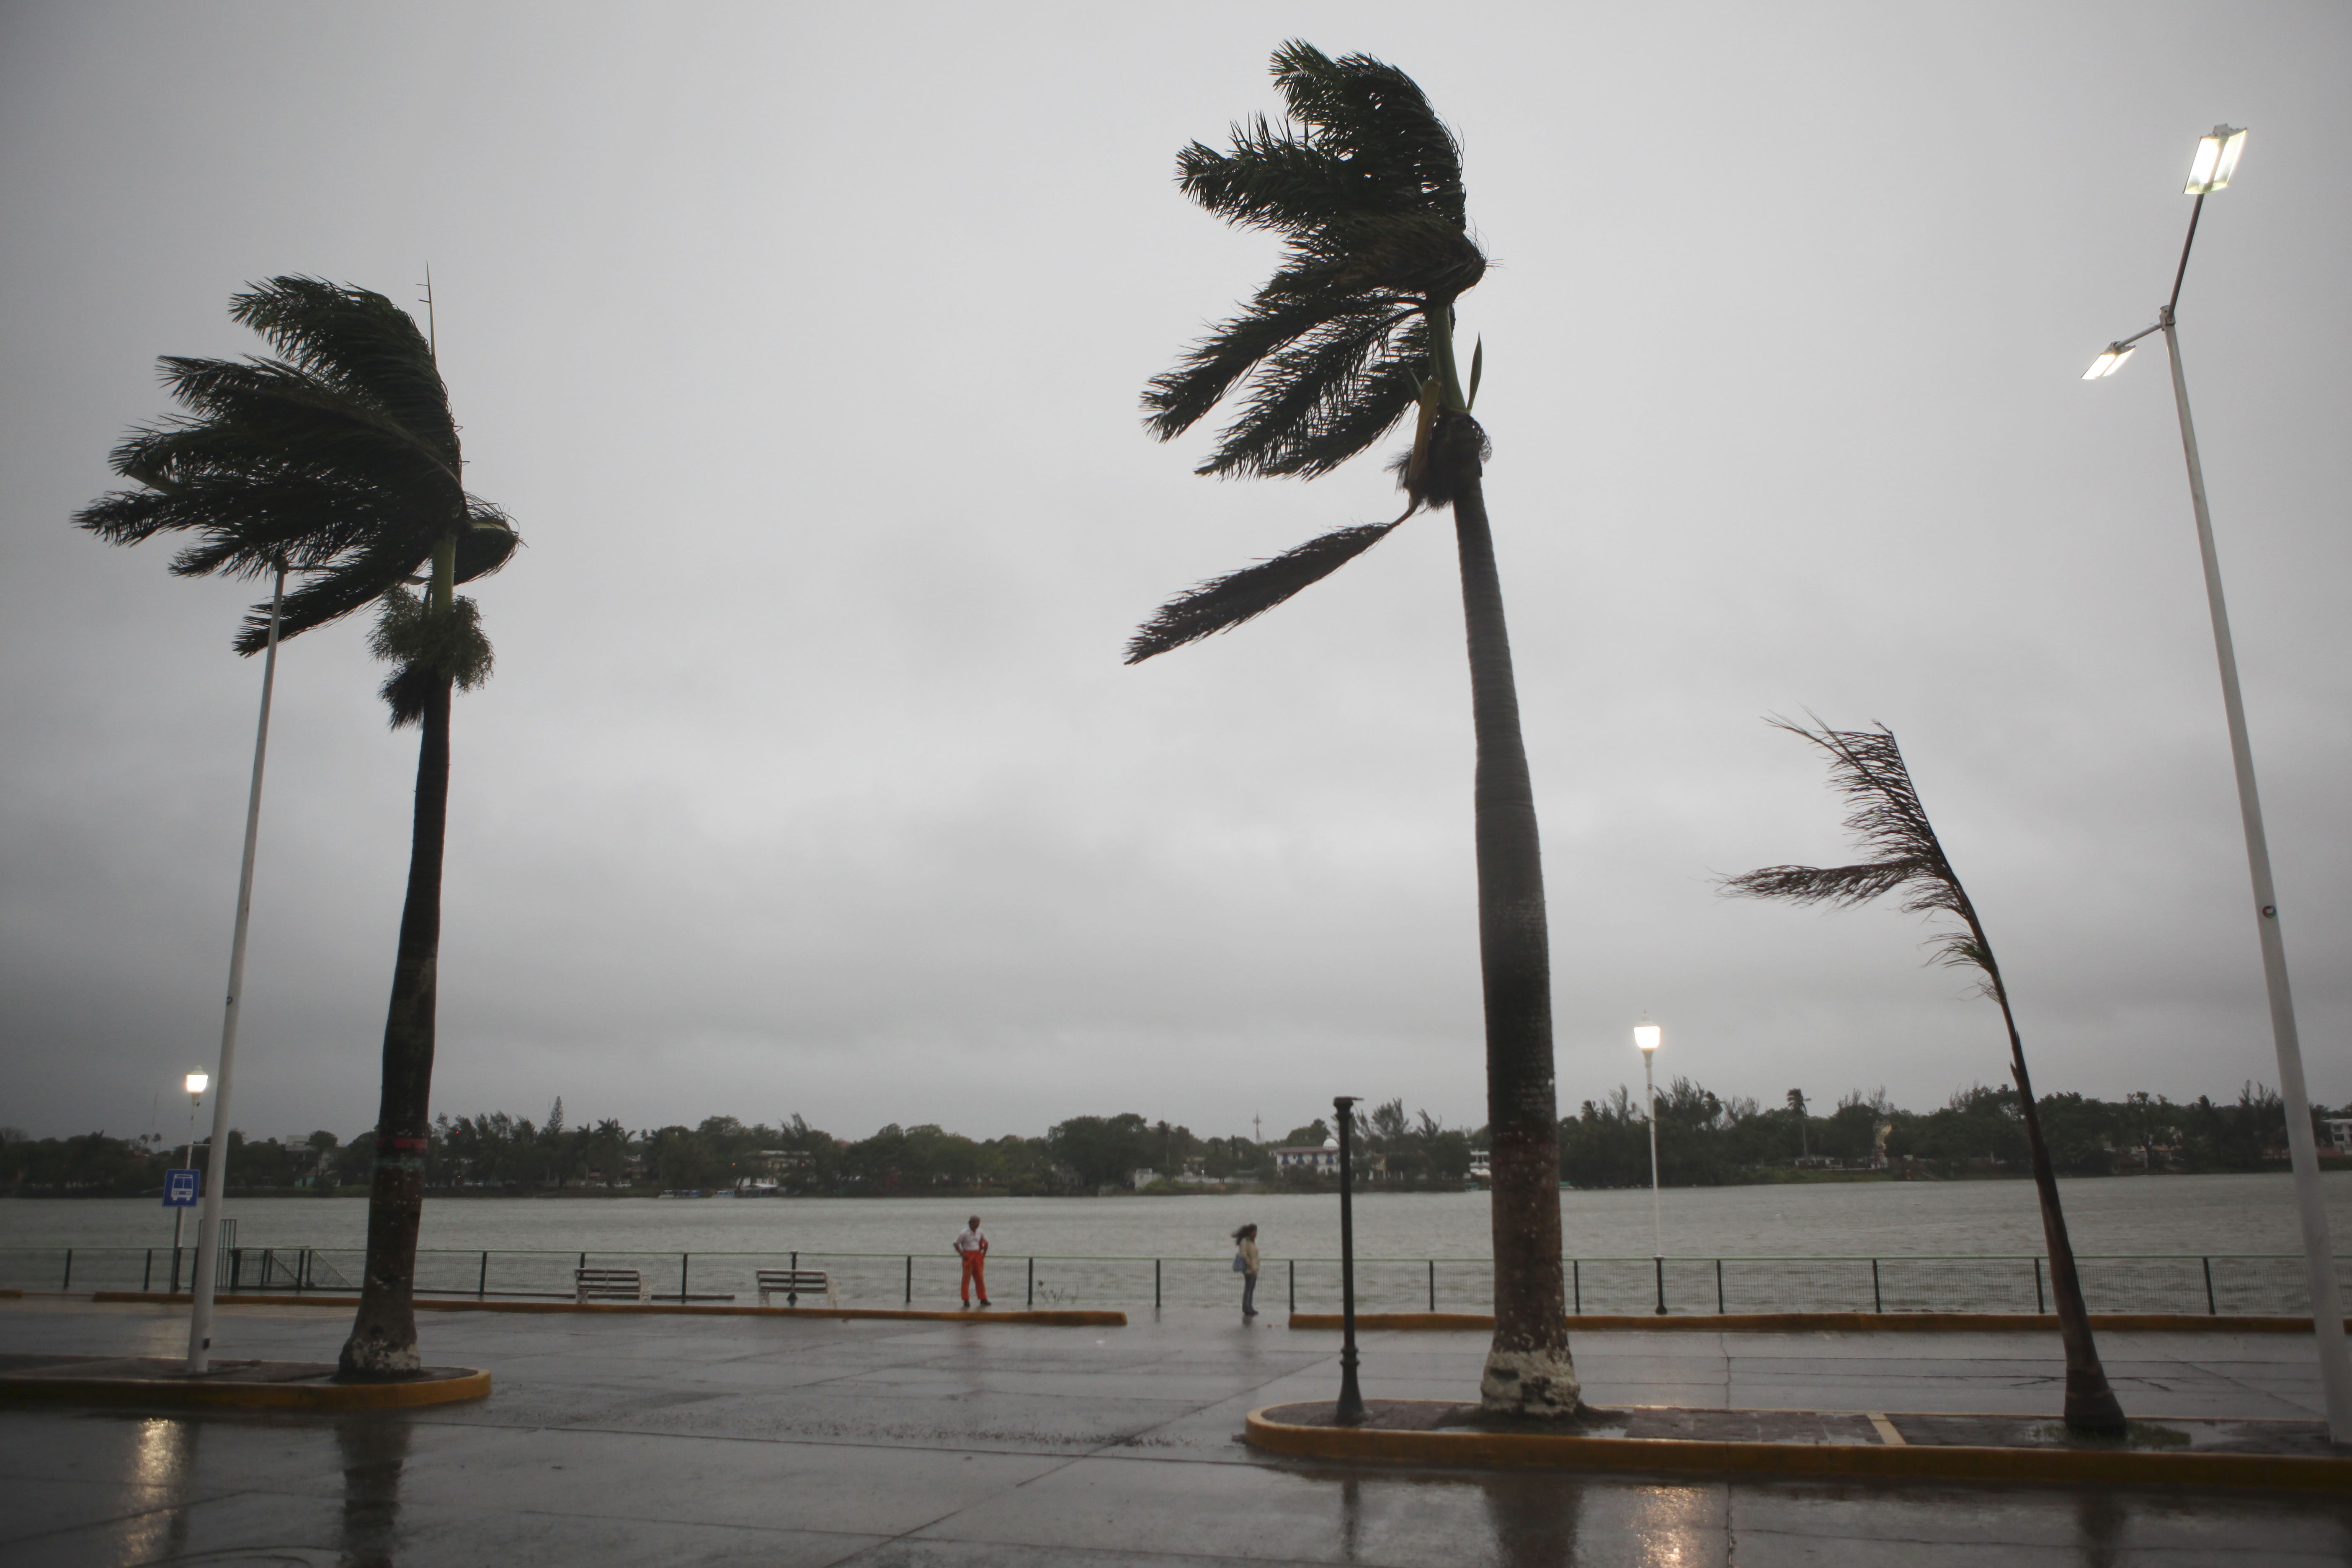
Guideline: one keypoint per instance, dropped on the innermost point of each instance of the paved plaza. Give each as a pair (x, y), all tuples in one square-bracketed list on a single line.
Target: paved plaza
[(673, 1439)]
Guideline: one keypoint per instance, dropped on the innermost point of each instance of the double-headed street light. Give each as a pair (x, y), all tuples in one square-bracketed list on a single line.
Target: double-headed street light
[(2216, 160), (1647, 1034)]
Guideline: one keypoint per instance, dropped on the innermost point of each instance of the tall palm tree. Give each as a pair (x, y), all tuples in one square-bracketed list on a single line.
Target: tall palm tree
[(339, 458), (1866, 767), (1356, 330)]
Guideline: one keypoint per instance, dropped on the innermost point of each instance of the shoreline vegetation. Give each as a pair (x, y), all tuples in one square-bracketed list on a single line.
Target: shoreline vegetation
[(1703, 1140)]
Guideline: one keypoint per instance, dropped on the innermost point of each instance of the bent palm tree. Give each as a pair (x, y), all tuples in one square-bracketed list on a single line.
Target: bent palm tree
[(340, 459), (1866, 767), (1364, 183)]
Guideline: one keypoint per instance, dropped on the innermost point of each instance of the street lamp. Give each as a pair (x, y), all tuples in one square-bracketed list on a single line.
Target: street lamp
[(196, 1083), (1351, 1409), (1647, 1034), (2210, 171)]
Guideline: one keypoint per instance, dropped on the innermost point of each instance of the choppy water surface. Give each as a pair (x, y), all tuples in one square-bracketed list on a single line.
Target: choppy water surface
[(2236, 1213)]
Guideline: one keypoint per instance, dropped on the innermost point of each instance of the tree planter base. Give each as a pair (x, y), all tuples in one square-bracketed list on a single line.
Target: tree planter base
[(246, 1385), (1655, 1439)]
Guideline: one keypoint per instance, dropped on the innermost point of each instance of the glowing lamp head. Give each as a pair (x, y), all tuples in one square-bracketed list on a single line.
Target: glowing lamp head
[(1647, 1036), (2216, 160), (2111, 360), (198, 1082)]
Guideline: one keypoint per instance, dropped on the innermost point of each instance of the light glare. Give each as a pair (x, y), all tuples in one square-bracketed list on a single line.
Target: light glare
[(2216, 160), (1647, 1035), (198, 1082), (2111, 360)]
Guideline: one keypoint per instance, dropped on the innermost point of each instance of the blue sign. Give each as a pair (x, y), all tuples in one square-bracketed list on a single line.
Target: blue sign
[(180, 1189)]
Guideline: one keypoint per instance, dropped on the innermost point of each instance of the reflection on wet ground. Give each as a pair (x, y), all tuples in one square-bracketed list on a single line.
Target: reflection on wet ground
[(680, 1441)]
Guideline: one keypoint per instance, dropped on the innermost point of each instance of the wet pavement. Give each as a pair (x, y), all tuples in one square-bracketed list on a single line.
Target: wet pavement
[(684, 1440)]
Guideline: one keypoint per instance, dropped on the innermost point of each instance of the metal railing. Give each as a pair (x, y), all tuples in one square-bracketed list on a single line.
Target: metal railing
[(2216, 1283)]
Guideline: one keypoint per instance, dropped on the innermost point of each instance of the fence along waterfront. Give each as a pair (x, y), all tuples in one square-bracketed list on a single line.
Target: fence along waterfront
[(2216, 1283)]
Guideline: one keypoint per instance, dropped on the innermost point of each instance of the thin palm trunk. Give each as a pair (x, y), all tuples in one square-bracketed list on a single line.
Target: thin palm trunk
[(2091, 1404), (383, 1343), (1528, 1370)]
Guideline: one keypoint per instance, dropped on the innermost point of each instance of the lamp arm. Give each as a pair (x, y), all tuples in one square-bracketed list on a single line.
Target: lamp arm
[(2182, 271)]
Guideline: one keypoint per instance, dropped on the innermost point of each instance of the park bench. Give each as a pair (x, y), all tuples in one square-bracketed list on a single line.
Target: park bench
[(793, 1283), (608, 1285)]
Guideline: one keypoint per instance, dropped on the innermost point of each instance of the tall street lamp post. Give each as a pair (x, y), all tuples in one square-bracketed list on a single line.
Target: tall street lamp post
[(1646, 1035), (200, 1292), (1351, 1398), (2215, 162)]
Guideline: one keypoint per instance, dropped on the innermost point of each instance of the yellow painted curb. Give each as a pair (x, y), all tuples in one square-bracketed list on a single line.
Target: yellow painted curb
[(1052, 1317), (1827, 1322), (1911, 1462), (473, 1384)]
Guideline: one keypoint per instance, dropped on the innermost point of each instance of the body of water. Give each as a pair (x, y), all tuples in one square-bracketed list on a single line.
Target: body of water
[(1417, 1247)]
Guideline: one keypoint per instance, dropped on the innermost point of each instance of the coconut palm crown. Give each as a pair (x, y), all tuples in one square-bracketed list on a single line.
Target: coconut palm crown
[(339, 459), (1364, 183)]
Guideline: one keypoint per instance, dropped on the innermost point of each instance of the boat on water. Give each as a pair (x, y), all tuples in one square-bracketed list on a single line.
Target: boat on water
[(686, 1193)]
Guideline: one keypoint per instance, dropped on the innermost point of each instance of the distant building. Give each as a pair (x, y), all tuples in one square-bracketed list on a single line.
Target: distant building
[(778, 1161), (2339, 1133), (1323, 1156)]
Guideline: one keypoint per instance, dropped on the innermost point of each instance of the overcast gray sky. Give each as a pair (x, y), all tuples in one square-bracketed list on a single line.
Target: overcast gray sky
[(803, 343)]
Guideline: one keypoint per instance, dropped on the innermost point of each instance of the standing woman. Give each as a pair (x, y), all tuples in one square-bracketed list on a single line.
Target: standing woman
[(1245, 1261)]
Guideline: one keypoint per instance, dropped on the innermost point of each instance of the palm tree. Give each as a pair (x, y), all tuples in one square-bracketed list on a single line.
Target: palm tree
[(340, 459), (1364, 184), (1866, 767)]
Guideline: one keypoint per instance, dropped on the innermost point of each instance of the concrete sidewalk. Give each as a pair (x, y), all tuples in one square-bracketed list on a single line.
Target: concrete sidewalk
[(679, 1439)]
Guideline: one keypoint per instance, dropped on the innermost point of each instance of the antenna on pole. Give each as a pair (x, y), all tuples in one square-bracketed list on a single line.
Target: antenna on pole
[(432, 337)]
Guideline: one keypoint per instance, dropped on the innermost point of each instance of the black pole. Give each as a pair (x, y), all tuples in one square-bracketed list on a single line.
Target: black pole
[(1293, 1287), (2040, 1305), (1351, 1411), (1660, 1262), (2210, 1309), (1155, 1284), (1033, 1281), (1877, 1298), (482, 1283), (148, 1277), (1576, 1277), (1719, 1287), (910, 1280), (69, 1278), (681, 1277), (1433, 1284)]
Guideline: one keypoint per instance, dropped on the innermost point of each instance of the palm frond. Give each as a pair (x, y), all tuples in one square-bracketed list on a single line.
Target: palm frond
[(1184, 396), (1884, 813), (1226, 602), (1325, 398), (355, 340)]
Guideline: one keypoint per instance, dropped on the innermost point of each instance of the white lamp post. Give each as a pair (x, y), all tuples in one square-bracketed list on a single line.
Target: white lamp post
[(200, 1290), (1646, 1035), (2215, 162), (196, 1083)]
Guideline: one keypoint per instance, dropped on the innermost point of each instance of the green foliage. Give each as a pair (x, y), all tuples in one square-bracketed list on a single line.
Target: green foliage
[(339, 459)]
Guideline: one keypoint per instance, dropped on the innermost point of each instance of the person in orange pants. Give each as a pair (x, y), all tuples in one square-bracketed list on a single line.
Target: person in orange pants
[(972, 1248)]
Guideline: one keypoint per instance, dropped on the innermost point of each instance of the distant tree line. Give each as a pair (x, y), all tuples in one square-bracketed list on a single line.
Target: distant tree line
[(1703, 1140), (1707, 1140)]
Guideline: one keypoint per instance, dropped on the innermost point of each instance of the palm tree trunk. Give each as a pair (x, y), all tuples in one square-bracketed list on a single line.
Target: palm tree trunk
[(1528, 1369), (383, 1343), (2091, 1404)]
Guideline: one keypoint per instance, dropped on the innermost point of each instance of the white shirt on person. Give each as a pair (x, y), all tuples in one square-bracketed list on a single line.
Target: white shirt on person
[(969, 1239)]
